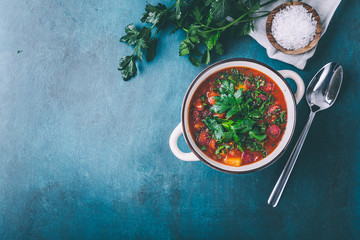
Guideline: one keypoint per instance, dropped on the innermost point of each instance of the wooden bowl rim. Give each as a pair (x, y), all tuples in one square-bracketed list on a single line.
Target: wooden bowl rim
[(311, 44)]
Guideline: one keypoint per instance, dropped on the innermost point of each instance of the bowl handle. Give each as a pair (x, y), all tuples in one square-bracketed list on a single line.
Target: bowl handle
[(175, 149), (299, 83)]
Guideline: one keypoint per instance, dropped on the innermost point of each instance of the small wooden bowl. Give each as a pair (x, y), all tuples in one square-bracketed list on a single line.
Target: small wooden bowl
[(300, 50)]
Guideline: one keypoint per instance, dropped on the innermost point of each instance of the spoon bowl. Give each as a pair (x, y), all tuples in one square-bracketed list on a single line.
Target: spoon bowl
[(324, 87)]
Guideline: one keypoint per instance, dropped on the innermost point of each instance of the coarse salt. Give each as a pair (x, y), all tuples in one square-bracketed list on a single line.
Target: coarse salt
[(293, 27)]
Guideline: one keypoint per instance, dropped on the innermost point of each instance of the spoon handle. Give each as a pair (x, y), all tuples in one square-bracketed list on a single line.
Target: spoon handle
[(281, 183)]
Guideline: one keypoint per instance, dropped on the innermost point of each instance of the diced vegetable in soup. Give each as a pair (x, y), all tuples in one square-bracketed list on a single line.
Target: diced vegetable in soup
[(237, 116)]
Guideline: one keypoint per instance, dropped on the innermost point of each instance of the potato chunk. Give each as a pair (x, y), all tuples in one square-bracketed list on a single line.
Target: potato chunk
[(233, 161)]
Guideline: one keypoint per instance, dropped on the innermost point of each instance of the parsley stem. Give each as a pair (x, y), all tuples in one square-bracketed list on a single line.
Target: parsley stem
[(232, 23), (241, 17), (267, 3), (237, 21)]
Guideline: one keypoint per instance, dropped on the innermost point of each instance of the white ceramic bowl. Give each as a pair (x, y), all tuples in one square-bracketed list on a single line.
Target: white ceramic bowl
[(291, 102)]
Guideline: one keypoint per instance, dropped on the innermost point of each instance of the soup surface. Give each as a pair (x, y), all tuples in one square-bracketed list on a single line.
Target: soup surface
[(237, 116)]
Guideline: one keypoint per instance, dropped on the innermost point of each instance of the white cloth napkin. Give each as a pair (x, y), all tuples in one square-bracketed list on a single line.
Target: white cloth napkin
[(325, 9)]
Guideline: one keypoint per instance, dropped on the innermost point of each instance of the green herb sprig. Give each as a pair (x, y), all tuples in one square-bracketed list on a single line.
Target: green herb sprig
[(207, 23)]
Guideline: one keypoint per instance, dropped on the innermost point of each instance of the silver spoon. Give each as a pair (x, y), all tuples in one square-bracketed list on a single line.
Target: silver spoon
[(320, 95)]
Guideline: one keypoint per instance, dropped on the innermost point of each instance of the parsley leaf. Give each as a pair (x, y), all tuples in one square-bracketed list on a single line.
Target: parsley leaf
[(242, 123), (227, 124), (258, 137), (212, 39), (127, 67), (195, 61), (197, 14), (228, 100), (153, 14), (131, 35), (140, 45), (227, 87), (151, 49), (185, 47), (215, 128), (219, 49), (222, 103), (218, 9), (238, 93)]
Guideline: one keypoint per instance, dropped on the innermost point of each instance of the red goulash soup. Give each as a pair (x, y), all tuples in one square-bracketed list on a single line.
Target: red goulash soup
[(237, 116)]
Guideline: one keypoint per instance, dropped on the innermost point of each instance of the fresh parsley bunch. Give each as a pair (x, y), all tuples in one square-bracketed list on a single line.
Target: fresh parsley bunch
[(207, 24)]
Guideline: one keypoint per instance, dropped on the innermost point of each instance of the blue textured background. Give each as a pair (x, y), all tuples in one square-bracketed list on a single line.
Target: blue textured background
[(85, 155)]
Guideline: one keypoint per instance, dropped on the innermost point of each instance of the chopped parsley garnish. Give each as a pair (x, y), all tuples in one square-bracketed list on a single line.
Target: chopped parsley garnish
[(281, 119), (244, 120)]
